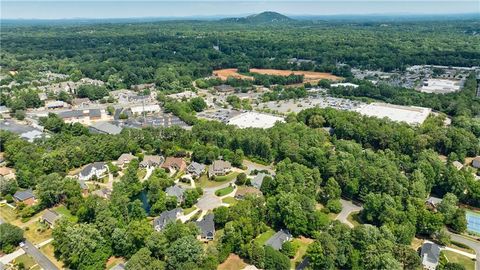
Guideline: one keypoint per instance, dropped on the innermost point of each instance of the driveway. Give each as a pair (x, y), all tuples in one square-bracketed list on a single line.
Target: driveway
[(38, 256), (347, 208), (474, 244), (256, 166)]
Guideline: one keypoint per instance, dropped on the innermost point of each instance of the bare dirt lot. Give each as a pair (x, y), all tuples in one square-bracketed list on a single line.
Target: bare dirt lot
[(309, 76)]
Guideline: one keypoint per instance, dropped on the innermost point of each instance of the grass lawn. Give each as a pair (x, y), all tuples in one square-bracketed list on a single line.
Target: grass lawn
[(233, 262), (189, 210), (27, 261), (301, 244), (457, 258), (62, 210), (416, 243), (224, 191), (48, 251), (230, 200), (37, 232), (227, 177), (8, 214), (461, 246), (204, 182), (354, 218), (262, 238)]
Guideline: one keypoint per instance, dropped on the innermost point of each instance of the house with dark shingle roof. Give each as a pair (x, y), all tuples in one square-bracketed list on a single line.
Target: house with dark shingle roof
[(166, 217), (277, 240), (196, 169), (258, 180), (50, 217), (176, 191), (207, 228), (430, 254), (24, 196), (97, 169)]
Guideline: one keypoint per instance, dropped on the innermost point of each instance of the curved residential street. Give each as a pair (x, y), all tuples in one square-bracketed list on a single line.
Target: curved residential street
[(474, 244)]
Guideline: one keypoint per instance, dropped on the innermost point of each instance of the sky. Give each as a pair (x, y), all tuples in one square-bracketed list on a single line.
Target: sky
[(67, 9)]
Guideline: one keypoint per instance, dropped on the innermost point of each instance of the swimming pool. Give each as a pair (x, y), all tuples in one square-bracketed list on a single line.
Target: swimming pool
[(473, 222)]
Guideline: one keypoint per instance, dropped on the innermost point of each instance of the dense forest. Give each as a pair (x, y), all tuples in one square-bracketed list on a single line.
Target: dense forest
[(174, 53)]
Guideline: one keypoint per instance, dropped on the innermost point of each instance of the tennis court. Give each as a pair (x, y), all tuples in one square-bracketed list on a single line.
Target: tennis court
[(473, 222)]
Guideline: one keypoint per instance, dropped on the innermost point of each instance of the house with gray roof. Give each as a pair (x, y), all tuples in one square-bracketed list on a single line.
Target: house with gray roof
[(207, 228), (166, 217), (151, 161), (24, 196), (196, 169), (50, 217), (219, 167), (97, 169), (105, 128), (277, 240), (476, 162), (433, 202), (176, 191), (258, 180), (430, 254)]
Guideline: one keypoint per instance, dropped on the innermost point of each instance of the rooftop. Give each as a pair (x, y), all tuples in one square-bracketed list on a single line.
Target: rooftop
[(408, 114), (255, 120), (277, 240)]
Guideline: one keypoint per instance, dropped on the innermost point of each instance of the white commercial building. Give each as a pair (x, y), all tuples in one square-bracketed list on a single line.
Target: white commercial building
[(255, 120), (409, 114), (146, 108), (441, 86), (352, 85)]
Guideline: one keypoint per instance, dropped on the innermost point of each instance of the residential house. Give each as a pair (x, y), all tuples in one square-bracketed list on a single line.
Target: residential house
[(433, 202), (97, 169), (219, 167), (55, 104), (476, 162), (277, 240), (174, 164), (153, 108), (24, 196), (176, 191), (242, 192), (83, 187), (125, 159), (196, 169), (258, 180), (166, 217), (7, 173), (50, 217), (151, 161), (80, 116), (430, 254), (207, 228)]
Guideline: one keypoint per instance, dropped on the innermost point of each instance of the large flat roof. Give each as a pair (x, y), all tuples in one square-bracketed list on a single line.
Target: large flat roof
[(255, 120), (408, 114)]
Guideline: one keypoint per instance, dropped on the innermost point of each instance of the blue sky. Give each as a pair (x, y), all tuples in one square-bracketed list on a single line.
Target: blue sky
[(61, 9)]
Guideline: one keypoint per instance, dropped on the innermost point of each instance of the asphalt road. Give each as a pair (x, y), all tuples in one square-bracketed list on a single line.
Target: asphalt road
[(347, 208), (41, 259), (474, 244)]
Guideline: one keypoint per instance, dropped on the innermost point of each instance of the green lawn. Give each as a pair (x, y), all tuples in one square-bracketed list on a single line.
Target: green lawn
[(354, 218), (141, 173), (189, 210), (48, 250), (204, 182), (26, 260), (62, 210), (224, 191), (230, 200), (460, 259), (7, 214), (301, 244), (262, 238), (227, 177), (37, 232)]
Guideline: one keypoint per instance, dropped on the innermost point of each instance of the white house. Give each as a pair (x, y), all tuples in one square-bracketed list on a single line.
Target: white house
[(97, 169)]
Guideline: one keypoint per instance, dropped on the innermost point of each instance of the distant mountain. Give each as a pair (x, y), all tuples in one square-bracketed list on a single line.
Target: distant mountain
[(264, 17)]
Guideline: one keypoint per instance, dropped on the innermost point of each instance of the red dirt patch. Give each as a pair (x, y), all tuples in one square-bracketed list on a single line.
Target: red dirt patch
[(308, 76)]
